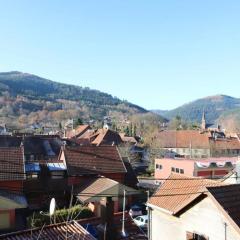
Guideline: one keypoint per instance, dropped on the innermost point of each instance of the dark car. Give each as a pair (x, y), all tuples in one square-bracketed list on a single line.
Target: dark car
[(137, 210), (91, 229)]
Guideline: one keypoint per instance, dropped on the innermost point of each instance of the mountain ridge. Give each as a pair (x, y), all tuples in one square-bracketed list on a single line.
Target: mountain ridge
[(217, 109), (28, 98)]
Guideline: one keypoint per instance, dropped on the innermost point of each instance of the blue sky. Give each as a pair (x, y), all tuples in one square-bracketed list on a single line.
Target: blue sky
[(158, 54)]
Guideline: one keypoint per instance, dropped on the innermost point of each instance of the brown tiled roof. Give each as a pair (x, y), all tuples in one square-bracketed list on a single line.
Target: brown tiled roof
[(81, 129), (107, 137), (128, 139), (178, 191), (93, 160), (228, 197), (228, 143), (73, 230), (90, 134), (76, 231), (11, 163), (92, 189), (93, 185), (183, 139)]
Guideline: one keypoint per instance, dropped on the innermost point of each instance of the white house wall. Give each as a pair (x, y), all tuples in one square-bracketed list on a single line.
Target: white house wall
[(203, 218)]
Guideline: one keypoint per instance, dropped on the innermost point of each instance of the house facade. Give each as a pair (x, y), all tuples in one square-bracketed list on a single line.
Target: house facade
[(98, 168), (12, 176), (190, 208), (205, 167), (197, 144)]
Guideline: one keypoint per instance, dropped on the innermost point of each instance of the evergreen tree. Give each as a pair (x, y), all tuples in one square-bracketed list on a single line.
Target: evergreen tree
[(126, 130), (78, 122), (130, 130), (134, 130)]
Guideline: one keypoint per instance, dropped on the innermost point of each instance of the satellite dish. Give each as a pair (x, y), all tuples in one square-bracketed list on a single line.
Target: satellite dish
[(52, 206)]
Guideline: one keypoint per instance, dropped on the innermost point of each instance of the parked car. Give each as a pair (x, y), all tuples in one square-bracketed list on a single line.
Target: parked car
[(135, 211), (141, 221), (138, 209)]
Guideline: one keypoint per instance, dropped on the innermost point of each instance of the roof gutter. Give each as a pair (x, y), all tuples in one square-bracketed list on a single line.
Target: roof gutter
[(160, 209)]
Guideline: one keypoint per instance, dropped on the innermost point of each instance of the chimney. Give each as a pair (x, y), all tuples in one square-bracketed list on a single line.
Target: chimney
[(107, 229)]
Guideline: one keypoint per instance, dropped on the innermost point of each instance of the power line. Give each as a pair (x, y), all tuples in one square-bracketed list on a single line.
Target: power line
[(92, 194)]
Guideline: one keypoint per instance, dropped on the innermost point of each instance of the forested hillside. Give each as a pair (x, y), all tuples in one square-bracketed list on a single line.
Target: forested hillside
[(26, 99), (213, 106)]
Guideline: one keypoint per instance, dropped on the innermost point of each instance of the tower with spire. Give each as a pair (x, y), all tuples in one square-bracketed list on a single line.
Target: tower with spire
[(203, 125)]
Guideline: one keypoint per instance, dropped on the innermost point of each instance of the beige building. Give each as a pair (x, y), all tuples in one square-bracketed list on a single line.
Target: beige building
[(197, 144)]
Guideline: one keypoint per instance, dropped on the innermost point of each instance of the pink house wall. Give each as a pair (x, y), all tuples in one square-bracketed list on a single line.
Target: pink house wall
[(168, 163)]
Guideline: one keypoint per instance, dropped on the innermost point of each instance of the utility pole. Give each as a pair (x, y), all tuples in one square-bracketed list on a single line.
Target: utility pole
[(148, 212), (124, 234)]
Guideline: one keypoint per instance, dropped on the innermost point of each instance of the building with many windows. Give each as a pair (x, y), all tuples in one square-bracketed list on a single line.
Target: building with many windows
[(206, 167)]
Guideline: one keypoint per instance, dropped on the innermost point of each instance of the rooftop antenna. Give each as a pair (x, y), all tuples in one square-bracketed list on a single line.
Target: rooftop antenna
[(52, 208)]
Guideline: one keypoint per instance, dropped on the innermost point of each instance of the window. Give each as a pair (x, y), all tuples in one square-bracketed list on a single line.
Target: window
[(158, 166), (177, 170), (182, 171), (173, 169), (195, 236)]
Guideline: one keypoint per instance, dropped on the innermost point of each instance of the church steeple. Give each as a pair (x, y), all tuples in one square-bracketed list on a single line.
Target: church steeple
[(203, 121)]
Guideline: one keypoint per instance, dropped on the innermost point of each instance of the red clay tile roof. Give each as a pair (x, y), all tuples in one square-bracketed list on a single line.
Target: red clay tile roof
[(93, 160), (228, 197), (178, 191), (229, 143), (73, 230), (80, 130), (90, 134), (91, 189), (93, 185), (127, 139), (77, 232), (183, 139), (107, 137), (11, 163)]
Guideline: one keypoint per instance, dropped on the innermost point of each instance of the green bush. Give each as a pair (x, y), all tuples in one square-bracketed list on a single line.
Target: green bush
[(77, 212)]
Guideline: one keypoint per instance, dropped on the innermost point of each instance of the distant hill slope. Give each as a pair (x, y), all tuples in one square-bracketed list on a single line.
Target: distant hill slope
[(214, 107), (230, 120), (26, 99)]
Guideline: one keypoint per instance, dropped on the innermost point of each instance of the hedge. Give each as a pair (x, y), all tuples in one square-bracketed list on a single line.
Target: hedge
[(77, 212)]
